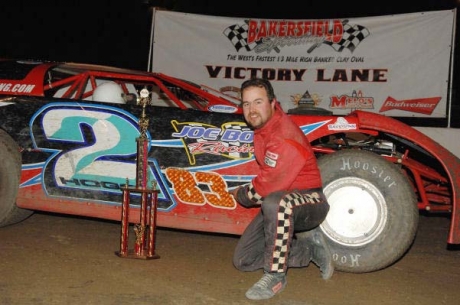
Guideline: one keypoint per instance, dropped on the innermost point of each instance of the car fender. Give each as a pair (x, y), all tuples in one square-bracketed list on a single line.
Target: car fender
[(447, 159)]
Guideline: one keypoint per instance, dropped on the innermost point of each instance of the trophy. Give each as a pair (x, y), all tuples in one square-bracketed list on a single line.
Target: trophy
[(145, 229)]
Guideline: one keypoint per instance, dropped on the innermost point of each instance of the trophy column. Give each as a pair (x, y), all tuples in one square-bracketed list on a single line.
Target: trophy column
[(145, 229)]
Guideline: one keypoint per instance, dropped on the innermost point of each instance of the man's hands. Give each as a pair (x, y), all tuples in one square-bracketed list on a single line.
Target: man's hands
[(243, 199)]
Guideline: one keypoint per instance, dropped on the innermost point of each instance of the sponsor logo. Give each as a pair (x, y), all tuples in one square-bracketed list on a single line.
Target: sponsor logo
[(223, 108), (420, 105), (306, 99), (271, 155), (341, 124), (356, 100), (232, 140), (270, 158), (270, 162), (16, 88), (271, 35)]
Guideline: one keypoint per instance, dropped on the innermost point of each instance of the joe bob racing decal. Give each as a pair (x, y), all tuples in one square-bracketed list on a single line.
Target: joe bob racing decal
[(232, 140)]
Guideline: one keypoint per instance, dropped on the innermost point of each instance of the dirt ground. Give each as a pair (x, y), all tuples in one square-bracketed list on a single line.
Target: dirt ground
[(50, 259)]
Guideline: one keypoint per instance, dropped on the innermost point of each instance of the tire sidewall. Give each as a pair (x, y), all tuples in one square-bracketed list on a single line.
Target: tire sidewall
[(401, 210), (10, 172)]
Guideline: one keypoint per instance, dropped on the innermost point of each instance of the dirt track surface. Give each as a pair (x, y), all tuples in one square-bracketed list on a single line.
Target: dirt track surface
[(51, 259)]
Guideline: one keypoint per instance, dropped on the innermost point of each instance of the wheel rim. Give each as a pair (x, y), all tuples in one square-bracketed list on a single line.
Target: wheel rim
[(358, 212)]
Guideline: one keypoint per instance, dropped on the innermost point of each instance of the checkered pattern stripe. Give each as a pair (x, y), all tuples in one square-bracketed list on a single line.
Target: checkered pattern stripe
[(253, 195), (280, 254), (238, 35), (352, 36), (295, 199)]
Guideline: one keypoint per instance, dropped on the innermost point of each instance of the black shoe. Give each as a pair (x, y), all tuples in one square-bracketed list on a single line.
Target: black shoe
[(320, 253), (269, 285)]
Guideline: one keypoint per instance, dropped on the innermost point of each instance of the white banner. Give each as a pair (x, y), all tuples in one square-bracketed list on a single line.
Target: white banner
[(395, 65)]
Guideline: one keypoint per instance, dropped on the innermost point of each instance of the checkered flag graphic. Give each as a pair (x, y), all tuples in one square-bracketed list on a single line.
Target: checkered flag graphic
[(352, 36), (238, 35), (239, 127)]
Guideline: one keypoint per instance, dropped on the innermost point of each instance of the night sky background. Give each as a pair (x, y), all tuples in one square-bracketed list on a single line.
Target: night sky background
[(117, 33)]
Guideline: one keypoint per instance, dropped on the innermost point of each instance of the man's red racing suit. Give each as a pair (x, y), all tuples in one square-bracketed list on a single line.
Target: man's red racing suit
[(289, 191)]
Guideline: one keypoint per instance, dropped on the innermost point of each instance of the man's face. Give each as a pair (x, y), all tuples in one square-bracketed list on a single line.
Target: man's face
[(257, 109)]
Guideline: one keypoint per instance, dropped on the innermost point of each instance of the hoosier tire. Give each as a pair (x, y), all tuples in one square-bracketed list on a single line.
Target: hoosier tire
[(10, 171), (373, 217)]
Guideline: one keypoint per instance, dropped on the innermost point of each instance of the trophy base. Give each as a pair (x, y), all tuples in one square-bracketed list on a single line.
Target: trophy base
[(132, 254)]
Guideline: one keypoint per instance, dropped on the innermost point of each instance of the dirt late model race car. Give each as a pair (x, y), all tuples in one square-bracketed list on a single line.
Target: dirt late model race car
[(68, 137)]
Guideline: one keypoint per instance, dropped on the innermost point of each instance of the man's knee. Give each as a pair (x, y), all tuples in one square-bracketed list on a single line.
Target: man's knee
[(237, 262)]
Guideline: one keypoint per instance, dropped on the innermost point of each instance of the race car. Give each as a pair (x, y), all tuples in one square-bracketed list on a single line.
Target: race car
[(68, 143)]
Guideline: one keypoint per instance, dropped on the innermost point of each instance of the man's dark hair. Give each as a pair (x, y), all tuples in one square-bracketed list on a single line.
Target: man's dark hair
[(261, 83)]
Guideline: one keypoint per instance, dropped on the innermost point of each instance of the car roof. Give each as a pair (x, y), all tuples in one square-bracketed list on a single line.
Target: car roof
[(79, 80), (10, 66)]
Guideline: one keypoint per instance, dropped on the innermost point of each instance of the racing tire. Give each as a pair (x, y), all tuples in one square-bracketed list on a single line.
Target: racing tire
[(373, 216), (10, 173)]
